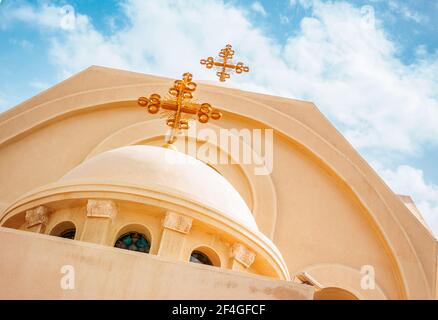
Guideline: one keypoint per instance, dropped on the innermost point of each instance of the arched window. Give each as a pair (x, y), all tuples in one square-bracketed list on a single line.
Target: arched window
[(199, 257), (134, 241), (205, 255), (65, 229), (68, 234)]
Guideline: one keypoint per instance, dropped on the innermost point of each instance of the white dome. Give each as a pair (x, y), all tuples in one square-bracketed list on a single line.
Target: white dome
[(169, 171)]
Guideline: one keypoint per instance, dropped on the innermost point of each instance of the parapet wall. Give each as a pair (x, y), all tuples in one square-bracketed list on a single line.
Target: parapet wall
[(35, 266)]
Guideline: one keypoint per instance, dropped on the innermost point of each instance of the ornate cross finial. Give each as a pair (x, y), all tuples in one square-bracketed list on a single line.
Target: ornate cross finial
[(225, 62), (179, 106)]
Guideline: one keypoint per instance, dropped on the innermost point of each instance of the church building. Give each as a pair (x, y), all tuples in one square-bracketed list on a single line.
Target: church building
[(253, 197)]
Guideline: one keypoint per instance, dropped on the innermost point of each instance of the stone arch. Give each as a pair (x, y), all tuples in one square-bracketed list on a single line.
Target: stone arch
[(345, 279), (61, 227)]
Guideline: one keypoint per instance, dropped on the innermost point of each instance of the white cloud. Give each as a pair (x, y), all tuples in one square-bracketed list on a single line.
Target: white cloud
[(350, 69), (306, 4), (410, 181), (46, 15), (407, 13), (341, 58), (110, 21), (258, 7), (152, 41)]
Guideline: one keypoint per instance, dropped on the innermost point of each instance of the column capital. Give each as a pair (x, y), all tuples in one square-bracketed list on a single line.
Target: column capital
[(101, 208), (242, 254), (177, 222), (37, 216)]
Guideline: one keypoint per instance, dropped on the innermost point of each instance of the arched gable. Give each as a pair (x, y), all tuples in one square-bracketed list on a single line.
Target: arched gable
[(402, 236)]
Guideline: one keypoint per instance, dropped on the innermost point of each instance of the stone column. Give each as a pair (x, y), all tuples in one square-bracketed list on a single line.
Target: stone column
[(100, 214), (241, 257), (37, 218), (175, 229)]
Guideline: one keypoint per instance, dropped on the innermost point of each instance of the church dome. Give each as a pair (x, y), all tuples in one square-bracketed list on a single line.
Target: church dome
[(166, 171)]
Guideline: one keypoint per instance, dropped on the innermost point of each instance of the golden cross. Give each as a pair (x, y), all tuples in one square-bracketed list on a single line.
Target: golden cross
[(181, 106), (225, 62)]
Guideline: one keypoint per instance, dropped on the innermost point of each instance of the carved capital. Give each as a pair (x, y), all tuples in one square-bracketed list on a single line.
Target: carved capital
[(242, 254), (177, 222), (101, 208), (38, 215)]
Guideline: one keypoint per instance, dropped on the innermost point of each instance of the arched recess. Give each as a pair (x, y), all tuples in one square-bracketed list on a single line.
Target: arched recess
[(261, 187), (332, 275), (209, 252), (388, 215), (59, 229), (333, 293)]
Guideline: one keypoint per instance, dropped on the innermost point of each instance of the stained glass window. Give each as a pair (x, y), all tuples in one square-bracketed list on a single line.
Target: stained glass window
[(133, 241), (68, 234), (199, 257)]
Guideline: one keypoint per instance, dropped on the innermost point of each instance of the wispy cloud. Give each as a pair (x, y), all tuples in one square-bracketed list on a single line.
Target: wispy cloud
[(339, 59), (258, 7), (407, 13), (410, 181), (45, 15)]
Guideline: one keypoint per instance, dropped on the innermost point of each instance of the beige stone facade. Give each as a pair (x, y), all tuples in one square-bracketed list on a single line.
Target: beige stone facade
[(83, 160)]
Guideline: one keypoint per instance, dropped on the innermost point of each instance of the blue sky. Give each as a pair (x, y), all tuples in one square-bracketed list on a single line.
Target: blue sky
[(370, 66)]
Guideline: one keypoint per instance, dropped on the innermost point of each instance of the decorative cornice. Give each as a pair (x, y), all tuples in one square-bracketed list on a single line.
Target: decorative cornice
[(37, 215), (242, 254), (177, 222), (101, 208)]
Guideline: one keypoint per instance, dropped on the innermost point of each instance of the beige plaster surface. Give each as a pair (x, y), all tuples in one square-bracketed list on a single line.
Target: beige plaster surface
[(31, 269), (323, 205)]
